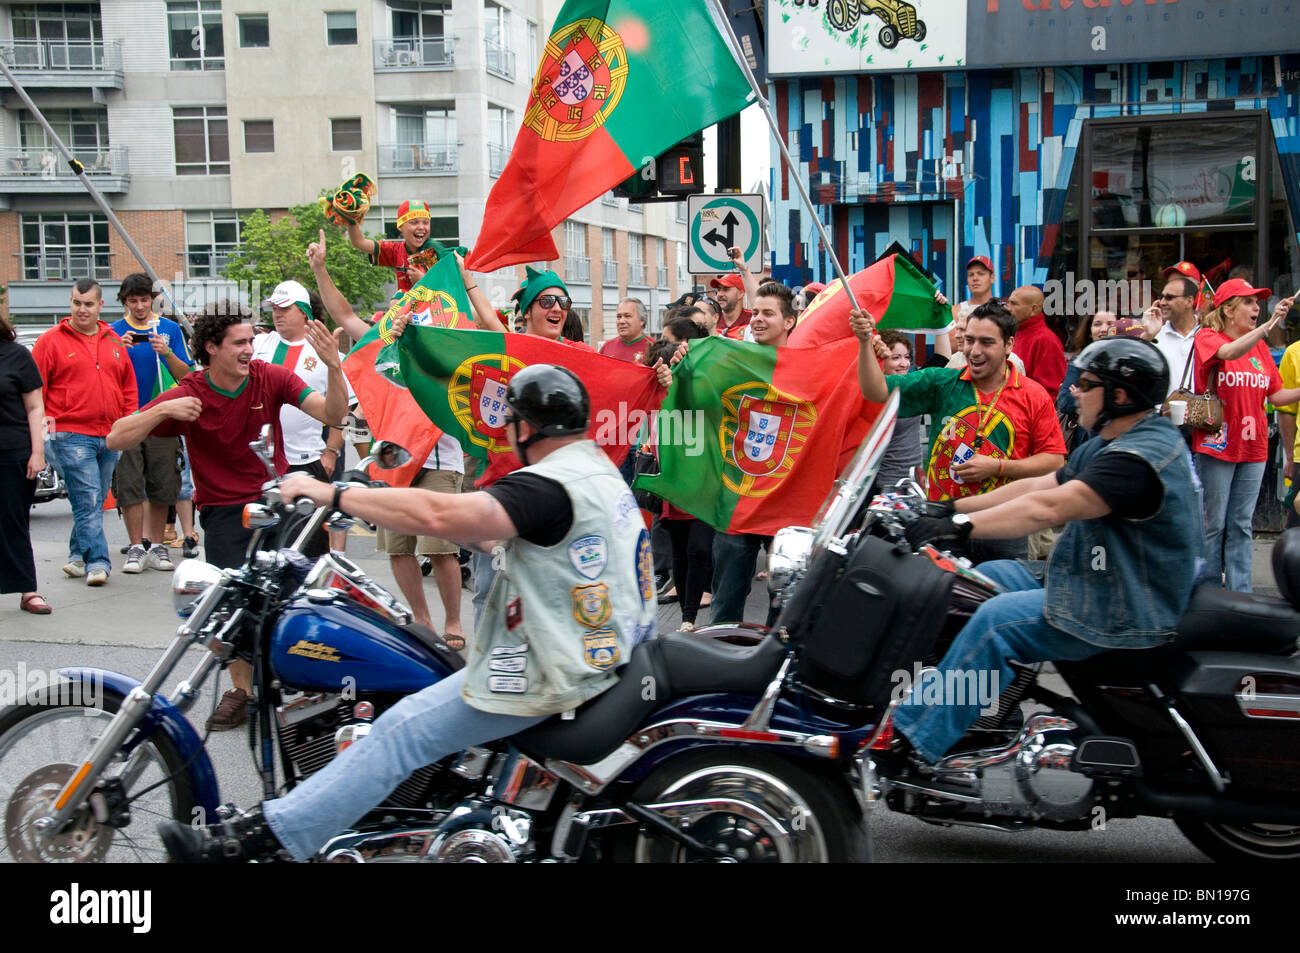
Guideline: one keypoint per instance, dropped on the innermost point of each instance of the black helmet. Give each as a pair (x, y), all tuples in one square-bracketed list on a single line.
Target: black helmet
[(551, 399), (1130, 363)]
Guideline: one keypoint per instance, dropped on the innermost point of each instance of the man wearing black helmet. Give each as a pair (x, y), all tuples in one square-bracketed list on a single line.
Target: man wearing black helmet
[(1122, 572), (574, 593)]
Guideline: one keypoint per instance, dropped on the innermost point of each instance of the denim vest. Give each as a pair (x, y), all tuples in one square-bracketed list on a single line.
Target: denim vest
[(1122, 583)]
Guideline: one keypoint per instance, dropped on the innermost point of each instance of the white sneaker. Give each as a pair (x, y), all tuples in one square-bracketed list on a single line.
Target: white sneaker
[(686, 627), (158, 558), (97, 577), (135, 556), (75, 569)]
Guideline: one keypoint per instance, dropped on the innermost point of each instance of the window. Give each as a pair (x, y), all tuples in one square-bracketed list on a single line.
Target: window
[(57, 36), (345, 135), (259, 135), (415, 19), (82, 130), (496, 41), (64, 246), (533, 59), (210, 237), (609, 265), (577, 266), (254, 30), (500, 124), (194, 32), (424, 140), (444, 225), (202, 143), (636, 256), (341, 28), (662, 250)]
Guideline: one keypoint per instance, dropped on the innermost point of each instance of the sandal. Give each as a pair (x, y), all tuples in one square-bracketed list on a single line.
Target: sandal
[(455, 642), (35, 604)]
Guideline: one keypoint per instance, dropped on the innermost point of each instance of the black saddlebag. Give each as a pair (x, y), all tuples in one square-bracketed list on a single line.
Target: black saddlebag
[(883, 612)]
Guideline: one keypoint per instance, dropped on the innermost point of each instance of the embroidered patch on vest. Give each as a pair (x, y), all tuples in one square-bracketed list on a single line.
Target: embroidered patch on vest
[(601, 649), (514, 613), (511, 684), (645, 567), (589, 555), (591, 606), (514, 664)]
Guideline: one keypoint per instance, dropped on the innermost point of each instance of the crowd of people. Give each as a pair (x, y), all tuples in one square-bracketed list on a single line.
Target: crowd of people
[(119, 408)]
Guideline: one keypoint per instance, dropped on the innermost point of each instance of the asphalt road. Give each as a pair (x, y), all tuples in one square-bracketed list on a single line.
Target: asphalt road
[(124, 626)]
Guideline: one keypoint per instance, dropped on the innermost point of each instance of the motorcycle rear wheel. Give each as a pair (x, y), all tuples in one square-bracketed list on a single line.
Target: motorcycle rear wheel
[(42, 745), (799, 816), (1236, 843)]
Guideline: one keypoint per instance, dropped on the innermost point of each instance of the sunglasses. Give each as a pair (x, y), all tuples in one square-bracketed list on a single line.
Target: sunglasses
[(549, 301), (1169, 297), (1086, 384)]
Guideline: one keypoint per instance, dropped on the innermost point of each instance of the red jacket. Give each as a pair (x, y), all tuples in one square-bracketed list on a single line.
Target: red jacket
[(89, 381), (1042, 352)]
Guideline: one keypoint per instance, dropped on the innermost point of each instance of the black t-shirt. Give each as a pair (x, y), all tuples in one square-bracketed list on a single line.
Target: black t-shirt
[(1128, 484), (18, 376), (538, 506)]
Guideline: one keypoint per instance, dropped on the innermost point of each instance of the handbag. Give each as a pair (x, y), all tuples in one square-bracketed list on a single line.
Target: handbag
[(1204, 411), (646, 463)]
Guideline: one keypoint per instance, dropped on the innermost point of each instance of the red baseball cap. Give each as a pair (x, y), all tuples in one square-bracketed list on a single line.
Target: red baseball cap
[(981, 260), (816, 287), (732, 280), (1185, 269), (1236, 287)]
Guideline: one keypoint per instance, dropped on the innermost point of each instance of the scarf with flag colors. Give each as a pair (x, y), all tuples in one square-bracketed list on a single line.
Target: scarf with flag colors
[(459, 379), (893, 290), (372, 367), (779, 423), (619, 82)]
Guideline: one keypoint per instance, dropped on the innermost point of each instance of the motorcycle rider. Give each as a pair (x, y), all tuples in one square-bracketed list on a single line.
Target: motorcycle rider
[(1123, 570), (574, 593)]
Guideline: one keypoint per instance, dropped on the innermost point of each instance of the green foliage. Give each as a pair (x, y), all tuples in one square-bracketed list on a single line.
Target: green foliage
[(274, 252)]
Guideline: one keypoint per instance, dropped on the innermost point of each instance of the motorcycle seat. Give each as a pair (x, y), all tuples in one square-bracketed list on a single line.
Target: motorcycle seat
[(680, 664), (434, 643), (1238, 622)]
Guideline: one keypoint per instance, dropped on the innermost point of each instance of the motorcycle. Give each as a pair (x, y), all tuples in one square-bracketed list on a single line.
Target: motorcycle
[(1202, 730), (708, 748), (49, 485)]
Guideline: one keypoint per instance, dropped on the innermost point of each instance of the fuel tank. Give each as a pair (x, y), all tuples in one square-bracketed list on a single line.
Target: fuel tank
[(322, 646)]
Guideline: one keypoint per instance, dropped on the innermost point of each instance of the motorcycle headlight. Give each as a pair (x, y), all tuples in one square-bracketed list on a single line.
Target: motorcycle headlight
[(788, 556), (190, 580)]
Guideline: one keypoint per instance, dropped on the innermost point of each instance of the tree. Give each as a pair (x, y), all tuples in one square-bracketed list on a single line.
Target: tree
[(270, 253)]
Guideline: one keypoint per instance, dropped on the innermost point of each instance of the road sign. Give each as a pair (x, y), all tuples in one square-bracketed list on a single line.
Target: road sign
[(719, 222)]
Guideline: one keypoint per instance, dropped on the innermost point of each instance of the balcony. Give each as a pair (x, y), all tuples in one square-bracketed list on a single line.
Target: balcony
[(415, 52), (609, 272), (636, 275), (498, 156), (578, 270), (44, 171), (63, 64), (610, 199), (66, 266), (500, 61), (432, 158), (663, 276)]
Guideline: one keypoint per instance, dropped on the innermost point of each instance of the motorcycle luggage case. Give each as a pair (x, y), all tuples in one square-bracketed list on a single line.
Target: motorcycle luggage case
[(1245, 708), (883, 613)]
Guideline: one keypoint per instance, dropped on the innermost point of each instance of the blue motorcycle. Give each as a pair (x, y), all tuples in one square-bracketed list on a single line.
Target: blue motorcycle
[(710, 748)]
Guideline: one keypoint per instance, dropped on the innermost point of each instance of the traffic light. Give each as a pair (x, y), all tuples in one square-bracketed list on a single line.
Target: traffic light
[(677, 172)]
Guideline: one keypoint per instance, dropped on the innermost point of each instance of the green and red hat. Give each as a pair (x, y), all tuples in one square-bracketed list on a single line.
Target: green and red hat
[(411, 209)]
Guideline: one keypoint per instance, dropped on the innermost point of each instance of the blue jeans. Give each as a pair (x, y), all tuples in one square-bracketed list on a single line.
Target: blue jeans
[(734, 558), (87, 467), (1231, 491), (1008, 626), (419, 730), (484, 574)]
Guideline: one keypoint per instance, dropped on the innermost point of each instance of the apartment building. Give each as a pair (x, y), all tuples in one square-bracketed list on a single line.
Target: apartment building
[(188, 113)]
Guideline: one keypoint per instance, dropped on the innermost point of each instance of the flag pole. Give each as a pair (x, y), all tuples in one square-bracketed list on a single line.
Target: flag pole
[(738, 53), (79, 171)]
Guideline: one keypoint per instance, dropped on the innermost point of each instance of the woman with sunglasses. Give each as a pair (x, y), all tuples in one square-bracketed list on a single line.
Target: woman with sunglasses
[(1233, 358)]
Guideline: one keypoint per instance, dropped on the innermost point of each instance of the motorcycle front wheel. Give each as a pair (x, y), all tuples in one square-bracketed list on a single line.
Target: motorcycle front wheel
[(794, 815), (1235, 843), (43, 743)]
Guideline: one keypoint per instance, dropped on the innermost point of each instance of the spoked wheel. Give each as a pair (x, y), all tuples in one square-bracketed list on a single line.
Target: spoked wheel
[(786, 815), (42, 746), (1235, 843)]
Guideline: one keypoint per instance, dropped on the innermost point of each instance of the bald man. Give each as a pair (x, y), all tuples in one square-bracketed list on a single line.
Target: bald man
[(1036, 344)]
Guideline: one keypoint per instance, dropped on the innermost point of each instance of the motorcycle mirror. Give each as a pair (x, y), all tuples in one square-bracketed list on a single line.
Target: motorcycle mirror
[(263, 446), (389, 456)]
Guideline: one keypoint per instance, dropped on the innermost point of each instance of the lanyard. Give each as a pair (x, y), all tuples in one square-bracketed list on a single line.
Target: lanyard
[(988, 411)]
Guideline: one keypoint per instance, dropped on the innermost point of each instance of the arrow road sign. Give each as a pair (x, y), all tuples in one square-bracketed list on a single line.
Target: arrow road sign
[(719, 222)]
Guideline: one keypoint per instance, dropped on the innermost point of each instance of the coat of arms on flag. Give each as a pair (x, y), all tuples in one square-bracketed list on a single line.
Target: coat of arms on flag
[(579, 81), (763, 430), (477, 397)]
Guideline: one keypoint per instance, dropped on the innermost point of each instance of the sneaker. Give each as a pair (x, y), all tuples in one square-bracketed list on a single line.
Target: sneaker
[(134, 559), (97, 577), (158, 558), (75, 569), (231, 713), (686, 627), (191, 548), (246, 837)]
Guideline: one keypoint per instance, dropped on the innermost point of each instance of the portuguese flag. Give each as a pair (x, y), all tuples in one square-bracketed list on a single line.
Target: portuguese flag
[(751, 437), (372, 366), (893, 290), (619, 81), (459, 379)]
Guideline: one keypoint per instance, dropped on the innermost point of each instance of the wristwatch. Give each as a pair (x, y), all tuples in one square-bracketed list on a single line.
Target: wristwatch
[(336, 504), (961, 522)]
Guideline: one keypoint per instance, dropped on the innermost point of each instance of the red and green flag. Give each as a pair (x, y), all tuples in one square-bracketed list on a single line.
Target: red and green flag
[(372, 367), (619, 82), (752, 437), (459, 379), (894, 290)]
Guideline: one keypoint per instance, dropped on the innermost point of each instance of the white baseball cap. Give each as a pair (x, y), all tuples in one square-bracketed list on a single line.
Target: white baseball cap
[(287, 293)]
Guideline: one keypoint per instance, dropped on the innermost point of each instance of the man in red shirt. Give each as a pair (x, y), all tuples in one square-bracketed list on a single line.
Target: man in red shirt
[(89, 383), (731, 298), (413, 223), (220, 412), (632, 343), (1037, 346)]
